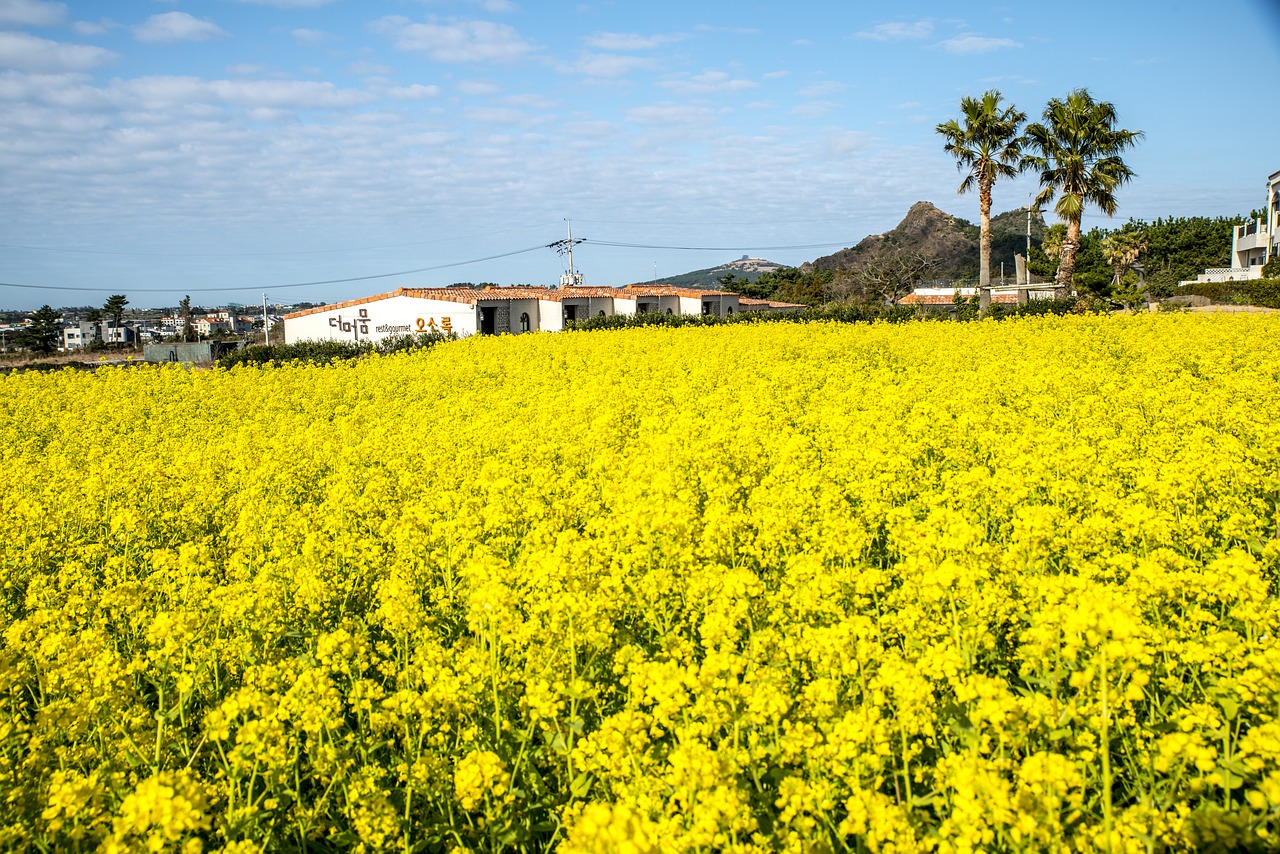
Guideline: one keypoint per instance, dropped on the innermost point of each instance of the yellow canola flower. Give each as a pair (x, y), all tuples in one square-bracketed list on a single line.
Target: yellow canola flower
[(764, 587)]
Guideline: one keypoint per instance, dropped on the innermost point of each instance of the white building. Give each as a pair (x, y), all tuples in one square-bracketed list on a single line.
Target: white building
[(86, 333), (1253, 243), (489, 311)]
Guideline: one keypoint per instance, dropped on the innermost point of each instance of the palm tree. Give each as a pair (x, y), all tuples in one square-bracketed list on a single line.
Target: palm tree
[(1122, 249), (1051, 243), (989, 145), (1078, 151)]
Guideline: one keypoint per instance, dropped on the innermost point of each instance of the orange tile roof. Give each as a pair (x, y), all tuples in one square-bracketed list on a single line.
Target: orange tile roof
[(672, 291)]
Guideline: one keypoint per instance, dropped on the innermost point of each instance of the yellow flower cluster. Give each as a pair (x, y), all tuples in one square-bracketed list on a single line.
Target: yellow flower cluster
[(934, 587)]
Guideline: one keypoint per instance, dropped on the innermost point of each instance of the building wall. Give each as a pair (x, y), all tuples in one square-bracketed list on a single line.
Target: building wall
[(517, 307), (551, 316), (374, 321)]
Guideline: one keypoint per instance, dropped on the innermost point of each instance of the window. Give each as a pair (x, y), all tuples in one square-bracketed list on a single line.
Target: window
[(524, 322), (601, 314), (669, 311), (729, 310)]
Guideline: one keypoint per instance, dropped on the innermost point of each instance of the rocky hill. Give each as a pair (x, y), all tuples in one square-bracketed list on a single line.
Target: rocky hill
[(949, 242), (745, 268)]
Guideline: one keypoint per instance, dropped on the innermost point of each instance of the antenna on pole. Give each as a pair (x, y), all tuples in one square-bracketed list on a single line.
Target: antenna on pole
[(565, 247)]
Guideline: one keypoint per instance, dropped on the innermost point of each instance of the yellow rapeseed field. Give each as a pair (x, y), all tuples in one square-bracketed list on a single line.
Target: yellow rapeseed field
[(934, 587)]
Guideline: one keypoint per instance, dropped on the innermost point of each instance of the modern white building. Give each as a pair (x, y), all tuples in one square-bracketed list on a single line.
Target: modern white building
[(466, 311), (86, 333), (1253, 243)]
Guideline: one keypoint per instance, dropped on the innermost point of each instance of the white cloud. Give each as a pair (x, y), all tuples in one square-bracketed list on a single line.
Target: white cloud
[(29, 53), (505, 117), (159, 92), (969, 44), (899, 31), (496, 7), (532, 102), (416, 92), (708, 82), (478, 89), (304, 35), (609, 66), (733, 31), (247, 69), (31, 13), (370, 68), (822, 90), (775, 75), (456, 41), (91, 28), (670, 115), (176, 27), (290, 4), (630, 41), (842, 143), (812, 110)]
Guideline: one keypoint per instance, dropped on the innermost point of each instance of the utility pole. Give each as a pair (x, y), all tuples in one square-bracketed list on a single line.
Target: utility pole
[(266, 330), (565, 247), (1028, 228)]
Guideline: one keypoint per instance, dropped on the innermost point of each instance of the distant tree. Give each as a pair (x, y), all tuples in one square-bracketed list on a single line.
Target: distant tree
[(884, 275), (93, 315), (114, 308), (41, 334), (188, 331), (789, 284), (987, 144), (1078, 150), (761, 288)]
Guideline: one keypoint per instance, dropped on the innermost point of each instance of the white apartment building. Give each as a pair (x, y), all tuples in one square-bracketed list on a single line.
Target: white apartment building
[(1253, 243), (86, 333)]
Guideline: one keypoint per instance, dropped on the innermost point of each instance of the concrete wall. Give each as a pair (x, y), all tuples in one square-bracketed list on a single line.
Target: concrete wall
[(188, 353)]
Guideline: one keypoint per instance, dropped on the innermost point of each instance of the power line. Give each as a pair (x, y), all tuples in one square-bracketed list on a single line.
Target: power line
[(709, 223), (371, 277), (715, 248), (274, 287), (258, 254)]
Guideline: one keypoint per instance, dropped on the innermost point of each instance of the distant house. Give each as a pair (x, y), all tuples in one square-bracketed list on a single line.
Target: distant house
[(1253, 243), (208, 324)]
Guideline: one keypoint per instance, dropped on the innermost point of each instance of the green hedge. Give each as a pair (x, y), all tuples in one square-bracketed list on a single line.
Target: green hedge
[(325, 352), (834, 312), (1260, 292)]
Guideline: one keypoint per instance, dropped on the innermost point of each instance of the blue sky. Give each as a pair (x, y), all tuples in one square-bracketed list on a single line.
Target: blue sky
[(201, 146)]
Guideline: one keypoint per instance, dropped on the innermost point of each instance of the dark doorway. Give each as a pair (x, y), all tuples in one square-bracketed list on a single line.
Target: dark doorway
[(488, 320), (570, 313)]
